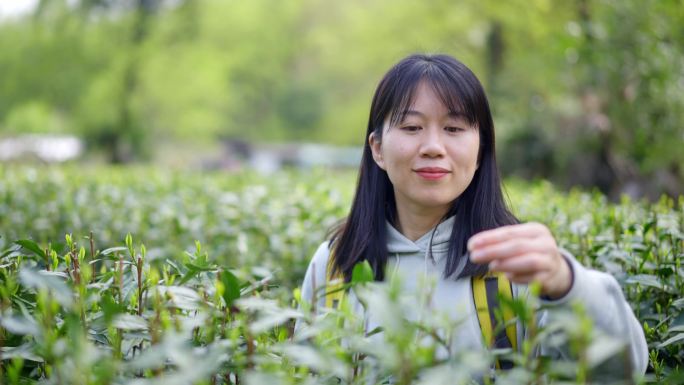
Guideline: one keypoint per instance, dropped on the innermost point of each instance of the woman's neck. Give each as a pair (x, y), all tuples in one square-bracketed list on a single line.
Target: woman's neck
[(414, 223)]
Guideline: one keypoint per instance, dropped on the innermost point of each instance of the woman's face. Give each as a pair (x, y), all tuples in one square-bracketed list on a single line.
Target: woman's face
[(430, 157)]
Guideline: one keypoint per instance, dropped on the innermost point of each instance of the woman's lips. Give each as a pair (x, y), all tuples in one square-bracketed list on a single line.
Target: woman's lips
[(432, 173)]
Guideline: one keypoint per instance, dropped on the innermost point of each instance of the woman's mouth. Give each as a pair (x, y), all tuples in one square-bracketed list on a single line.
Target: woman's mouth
[(431, 173)]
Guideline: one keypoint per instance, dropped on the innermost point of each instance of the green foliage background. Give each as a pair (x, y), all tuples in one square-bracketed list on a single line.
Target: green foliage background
[(584, 92)]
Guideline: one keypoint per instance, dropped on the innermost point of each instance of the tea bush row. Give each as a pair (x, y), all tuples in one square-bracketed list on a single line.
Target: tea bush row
[(104, 308), (243, 219)]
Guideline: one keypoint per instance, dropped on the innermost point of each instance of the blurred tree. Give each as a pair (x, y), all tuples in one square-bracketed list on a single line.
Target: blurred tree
[(35, 117), (611, 113), (587, 91), (45, 60), (629, 80), (119, 132)]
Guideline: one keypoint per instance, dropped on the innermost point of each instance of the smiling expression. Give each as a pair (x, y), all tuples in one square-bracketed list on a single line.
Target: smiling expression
[(430, 157)]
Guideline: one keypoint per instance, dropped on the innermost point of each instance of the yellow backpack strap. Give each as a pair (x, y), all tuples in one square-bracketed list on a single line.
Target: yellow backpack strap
[(506, 291), (486, 290), (334, 286)]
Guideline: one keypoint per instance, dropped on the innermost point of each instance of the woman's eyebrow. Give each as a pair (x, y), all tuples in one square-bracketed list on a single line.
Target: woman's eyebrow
[(413, 113), (451, 114)]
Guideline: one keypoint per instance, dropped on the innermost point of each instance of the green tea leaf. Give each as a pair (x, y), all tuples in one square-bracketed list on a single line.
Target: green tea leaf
[(255, 378), (317, 360), (25, 351), (231, 287), (645, 280), (190, 274), (181, 297), (676, 339), (12, 251), (603, 349), (112, 250), (362, 273), (678, 303), (51, 281), (31, 246), (201, 268), (129, 322), (110, 307), (20, 325)]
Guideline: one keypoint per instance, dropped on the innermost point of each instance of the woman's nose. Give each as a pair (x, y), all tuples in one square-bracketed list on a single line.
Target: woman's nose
[(432, 144)]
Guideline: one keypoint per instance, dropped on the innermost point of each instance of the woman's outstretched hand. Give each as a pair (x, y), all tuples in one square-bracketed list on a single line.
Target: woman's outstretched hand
[(525, 253)]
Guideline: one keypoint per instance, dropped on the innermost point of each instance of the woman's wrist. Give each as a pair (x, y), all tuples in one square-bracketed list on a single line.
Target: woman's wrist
[(560, 283)]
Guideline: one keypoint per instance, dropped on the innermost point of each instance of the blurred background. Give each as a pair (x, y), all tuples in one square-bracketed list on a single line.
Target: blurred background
[(584, 92)]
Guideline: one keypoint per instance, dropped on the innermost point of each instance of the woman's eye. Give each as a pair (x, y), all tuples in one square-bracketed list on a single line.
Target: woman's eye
[(453, 129), (411, 128)]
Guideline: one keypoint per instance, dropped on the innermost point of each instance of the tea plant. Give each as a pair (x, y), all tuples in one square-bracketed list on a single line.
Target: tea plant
[(97, 306), (241, 219), (89, 317)]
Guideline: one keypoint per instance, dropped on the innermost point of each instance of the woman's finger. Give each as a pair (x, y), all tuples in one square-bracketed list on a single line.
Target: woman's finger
[(487, 237), (522, 278), (531, 263), (511, 248), (555, 278)]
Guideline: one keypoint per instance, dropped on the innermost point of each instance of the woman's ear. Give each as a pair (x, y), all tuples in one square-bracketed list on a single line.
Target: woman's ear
[(375, 147)]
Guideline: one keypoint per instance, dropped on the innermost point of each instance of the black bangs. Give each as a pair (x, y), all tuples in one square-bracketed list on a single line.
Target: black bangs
[(452, 84)]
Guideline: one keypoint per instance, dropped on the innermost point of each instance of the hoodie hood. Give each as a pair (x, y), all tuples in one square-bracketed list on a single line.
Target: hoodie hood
[(437, 237)]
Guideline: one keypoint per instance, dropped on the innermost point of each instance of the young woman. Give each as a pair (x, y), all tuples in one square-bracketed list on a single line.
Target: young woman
[(429, 204)]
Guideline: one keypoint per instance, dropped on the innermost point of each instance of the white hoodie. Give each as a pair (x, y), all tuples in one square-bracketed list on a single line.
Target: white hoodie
[(599, 292)]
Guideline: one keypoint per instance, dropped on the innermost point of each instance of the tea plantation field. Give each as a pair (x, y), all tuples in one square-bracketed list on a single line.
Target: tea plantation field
[(144, 276)]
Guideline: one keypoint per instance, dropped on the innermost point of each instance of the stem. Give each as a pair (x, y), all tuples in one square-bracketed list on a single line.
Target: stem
[(47, 258), (120, 279), (2, 344), (140, 294), (140, 286), (118, 339), (92, 256), (76, 267), (250, 349), (406, 372), (81, 306), (656, 254)]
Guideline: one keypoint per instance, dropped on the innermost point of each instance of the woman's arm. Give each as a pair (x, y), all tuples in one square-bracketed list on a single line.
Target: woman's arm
[(528, 252), (315, 278), (605, 303)]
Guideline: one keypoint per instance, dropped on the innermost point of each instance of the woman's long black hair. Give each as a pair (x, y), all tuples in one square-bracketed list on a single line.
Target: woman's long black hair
[(362, 236)]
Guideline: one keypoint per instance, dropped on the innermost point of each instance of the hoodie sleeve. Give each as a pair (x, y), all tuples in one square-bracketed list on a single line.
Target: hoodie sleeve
[(605, 303), (315, 276)]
